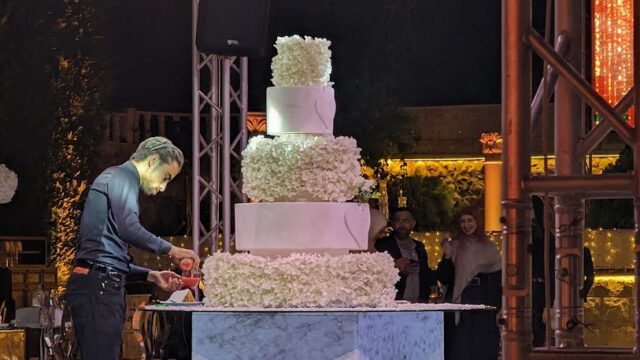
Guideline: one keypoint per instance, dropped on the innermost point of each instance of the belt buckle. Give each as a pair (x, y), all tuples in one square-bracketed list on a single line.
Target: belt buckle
[(116, 276), (100, 268)]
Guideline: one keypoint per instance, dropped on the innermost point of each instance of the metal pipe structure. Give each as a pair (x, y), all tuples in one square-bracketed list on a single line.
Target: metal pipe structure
[(580, 85), (543, 95), (244, 99), (214, 153), (243, 136), (516, 129), (636, 171), (569, 184), (600, 131), (206, 142), (226, 149), (232, 146), (613, 185), (569, 208), (195, 131), (216, 150)]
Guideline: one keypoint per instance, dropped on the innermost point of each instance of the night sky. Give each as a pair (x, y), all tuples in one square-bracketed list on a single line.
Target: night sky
[(426, 52), (422, 52)]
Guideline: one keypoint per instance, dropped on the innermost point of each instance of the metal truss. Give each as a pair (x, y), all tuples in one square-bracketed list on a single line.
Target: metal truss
[(570, 185), (219, 135)]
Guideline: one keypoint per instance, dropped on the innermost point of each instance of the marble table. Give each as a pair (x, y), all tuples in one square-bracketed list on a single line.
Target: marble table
[(404, 331)]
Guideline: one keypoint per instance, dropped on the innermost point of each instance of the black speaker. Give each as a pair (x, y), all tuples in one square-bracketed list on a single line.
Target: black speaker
[(232, 27)]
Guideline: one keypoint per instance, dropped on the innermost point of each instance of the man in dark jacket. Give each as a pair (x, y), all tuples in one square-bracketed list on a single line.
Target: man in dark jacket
[(416, 278)]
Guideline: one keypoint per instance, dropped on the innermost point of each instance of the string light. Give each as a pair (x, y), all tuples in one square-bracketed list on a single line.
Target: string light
[(609, 249), (613, 50)]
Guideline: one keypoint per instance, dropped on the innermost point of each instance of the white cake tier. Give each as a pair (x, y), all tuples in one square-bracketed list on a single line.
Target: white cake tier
[(300, 110), (282, 228)]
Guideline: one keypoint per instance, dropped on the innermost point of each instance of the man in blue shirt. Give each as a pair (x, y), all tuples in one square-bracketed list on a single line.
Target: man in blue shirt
[(108, 228)]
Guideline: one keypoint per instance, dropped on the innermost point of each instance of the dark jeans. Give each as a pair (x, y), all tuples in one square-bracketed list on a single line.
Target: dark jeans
[(97, 305)]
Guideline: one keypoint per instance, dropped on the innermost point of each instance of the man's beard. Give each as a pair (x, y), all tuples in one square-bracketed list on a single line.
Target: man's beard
[(402, 233), (147, 190)]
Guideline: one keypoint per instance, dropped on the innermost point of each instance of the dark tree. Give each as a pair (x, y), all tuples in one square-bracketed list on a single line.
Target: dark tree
[(26, 110), (428, 198)]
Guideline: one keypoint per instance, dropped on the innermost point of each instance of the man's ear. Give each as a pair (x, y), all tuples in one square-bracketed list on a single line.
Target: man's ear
[(153, 159)]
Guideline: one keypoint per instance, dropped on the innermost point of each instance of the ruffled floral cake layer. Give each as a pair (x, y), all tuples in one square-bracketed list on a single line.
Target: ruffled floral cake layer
[(301, 61), (300, 281), (325, 168)]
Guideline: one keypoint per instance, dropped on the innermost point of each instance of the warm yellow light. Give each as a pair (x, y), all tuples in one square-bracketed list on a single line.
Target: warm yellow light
[(443, 166), (621, 278), (492, 196)]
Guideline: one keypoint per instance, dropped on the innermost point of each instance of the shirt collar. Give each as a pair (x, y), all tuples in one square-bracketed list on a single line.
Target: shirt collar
[(407, 244), (129, 165)]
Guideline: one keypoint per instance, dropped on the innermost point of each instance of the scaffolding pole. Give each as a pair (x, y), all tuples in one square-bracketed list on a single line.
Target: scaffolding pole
[(569, 208), (516, 128), (220, 86), (569, 185)]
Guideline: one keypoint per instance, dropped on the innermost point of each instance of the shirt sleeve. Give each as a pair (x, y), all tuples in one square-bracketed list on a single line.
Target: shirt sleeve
[(123, 200), (137, 274), (446, 272), (430, 275)]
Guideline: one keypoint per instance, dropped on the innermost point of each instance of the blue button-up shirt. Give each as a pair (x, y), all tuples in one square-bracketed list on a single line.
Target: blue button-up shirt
[(110, 223)]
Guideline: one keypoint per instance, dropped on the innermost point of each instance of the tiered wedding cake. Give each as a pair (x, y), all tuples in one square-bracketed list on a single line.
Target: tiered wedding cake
[(307, 171), (299, 183)]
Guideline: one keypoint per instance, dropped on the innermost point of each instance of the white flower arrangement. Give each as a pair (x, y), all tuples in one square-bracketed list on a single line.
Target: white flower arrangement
[(8, 184), (301, 61), (300, 281), (326, 168)]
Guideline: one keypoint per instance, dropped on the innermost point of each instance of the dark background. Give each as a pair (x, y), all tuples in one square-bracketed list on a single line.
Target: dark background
[(384, 53), (425, 52)]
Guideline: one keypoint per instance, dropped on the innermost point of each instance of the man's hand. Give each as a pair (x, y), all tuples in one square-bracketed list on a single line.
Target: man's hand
[(178, 253), (407, 266), (166, 280), (413, 267), (401, 264)]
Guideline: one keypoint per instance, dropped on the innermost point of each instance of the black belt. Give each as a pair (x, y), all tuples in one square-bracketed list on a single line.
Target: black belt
[(100, 268)]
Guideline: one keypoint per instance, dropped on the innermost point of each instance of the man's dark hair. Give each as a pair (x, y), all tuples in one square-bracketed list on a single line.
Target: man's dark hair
[(401, 209)]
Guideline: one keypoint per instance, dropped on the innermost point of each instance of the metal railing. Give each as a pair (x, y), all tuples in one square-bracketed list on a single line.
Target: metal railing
[(132, 126)]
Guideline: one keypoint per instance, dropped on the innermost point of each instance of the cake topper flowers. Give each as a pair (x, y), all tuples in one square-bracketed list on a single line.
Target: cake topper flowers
[(301, 61)]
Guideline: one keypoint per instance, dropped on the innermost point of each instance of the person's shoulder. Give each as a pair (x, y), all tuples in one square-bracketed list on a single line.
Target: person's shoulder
[(384, 242), (119, 174), (418, 243), (124, 172)]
